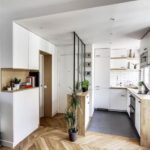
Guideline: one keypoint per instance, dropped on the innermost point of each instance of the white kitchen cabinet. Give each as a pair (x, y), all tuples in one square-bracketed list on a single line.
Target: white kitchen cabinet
[(118, 100), (101, 99), (20, 47), (34, 48), (128, 102), (101, 78), (138, 115), (19, 115), (145, 43)]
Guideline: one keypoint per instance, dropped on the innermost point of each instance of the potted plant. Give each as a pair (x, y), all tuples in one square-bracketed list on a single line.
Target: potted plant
[(71, 117), (85, 85), (16, 83)]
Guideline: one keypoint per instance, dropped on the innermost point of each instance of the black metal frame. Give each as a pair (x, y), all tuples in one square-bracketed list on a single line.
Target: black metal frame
[(83, 51)]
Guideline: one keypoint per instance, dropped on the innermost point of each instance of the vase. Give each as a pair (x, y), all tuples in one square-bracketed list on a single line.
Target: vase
[(17, 86)]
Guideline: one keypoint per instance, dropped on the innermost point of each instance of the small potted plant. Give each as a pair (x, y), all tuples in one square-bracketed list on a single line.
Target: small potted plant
[(71, 117), (16, 82), (85, 85)]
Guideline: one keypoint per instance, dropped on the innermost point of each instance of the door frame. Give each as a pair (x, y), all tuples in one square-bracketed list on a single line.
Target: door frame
[(47, 83)]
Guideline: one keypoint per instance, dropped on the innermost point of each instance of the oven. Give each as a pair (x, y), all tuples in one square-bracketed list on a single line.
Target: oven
[(144, 58), (132, 109)]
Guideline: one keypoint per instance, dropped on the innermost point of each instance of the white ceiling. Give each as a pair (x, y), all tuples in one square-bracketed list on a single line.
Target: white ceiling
[(94, 25)]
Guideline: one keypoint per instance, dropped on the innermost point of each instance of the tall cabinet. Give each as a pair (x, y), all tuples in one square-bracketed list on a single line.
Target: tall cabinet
[(101, 78), (20, 47), (19, 110)]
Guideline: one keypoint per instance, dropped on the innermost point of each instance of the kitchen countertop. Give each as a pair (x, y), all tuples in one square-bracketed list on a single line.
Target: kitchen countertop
[(117, 87), (140, 96), (134, 91)]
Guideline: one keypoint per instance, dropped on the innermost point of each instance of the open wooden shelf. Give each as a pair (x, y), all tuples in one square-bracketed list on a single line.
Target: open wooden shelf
[(123, 69), (21, 89), (128, 58)]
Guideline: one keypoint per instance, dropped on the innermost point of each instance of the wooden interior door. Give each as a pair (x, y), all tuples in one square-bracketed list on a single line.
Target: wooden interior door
[(45, 85), (41, 85), (48, 85)]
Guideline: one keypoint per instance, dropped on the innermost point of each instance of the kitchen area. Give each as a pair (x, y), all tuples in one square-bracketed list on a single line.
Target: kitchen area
[(122, 87)]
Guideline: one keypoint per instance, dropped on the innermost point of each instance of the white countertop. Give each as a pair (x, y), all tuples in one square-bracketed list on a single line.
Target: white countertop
[(140, 96), (134, 92)]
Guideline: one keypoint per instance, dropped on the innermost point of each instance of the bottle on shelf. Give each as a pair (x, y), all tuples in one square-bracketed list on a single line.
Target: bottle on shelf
[(130, 53)]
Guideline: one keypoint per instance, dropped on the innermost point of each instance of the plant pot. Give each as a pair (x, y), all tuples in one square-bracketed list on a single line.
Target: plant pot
[(17, 86), (84, 89), (72, 135)]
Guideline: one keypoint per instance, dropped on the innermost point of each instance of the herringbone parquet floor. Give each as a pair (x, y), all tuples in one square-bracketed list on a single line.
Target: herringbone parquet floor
[(52, 136)]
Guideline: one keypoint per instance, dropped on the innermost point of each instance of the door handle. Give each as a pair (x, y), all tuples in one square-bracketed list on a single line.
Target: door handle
[(45, 86)]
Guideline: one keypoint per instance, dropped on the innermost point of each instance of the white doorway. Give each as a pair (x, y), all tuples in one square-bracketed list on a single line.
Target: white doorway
[(65, 80), (101, 78)]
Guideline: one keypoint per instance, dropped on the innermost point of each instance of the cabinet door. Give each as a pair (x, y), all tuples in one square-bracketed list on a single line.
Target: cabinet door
[(118, 99), (34, 51), (25, 113), (137, 115), (87, 111), (128, 102), (101, 78), (20, 47), (101, 99)]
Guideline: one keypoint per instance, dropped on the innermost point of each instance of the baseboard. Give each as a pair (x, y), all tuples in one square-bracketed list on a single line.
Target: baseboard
[(7, 143), (100, 109), (117, 110)]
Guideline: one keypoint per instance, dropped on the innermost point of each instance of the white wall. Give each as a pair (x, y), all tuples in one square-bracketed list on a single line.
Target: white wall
[(53, 51), (63, 53), (89, 49)]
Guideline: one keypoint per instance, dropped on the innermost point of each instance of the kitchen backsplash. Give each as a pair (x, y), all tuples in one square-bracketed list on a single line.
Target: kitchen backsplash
[(123, 78)]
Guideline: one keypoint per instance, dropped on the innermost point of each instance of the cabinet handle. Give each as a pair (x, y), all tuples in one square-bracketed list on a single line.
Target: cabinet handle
[(139, 101), (122, 95)]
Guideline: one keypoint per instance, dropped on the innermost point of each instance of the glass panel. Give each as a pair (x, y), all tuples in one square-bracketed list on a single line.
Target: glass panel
[(79, 62)]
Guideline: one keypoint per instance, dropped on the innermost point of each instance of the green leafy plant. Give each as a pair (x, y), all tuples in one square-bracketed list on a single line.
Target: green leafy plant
[(141, 83), (16, 80), (85, 85), (71, 113)]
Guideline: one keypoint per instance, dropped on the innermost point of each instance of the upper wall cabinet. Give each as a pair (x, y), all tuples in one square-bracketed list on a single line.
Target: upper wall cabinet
[(20, 47), (34, 46), (145, 43)]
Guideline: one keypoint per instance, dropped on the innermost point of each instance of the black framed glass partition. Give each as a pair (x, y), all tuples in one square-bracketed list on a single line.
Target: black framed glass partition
[(79, 62)]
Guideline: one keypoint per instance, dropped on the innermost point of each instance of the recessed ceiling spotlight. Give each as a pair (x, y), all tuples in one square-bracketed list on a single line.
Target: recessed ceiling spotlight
[(112, 19)]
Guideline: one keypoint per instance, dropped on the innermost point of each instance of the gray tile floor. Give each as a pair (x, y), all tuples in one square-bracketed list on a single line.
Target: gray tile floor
[(116, 123)]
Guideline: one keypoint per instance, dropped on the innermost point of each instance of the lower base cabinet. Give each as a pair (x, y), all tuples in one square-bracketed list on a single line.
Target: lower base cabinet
[(19, 115), (138, 115), (118, 100)]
